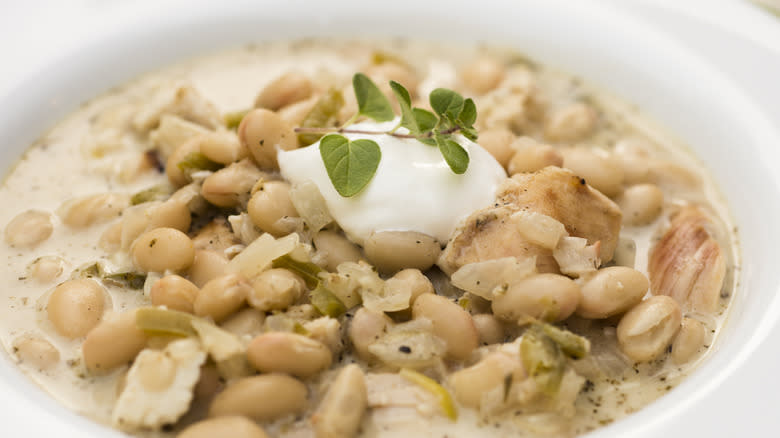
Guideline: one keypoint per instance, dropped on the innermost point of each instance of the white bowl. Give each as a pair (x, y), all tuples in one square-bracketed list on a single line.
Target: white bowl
[(727, 124)]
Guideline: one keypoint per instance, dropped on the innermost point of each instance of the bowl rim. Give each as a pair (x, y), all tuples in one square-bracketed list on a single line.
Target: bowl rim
[(70, 65)]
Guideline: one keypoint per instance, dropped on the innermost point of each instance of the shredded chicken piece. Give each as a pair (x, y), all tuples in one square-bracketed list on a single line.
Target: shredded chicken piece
[(492, 232), (159, 386)]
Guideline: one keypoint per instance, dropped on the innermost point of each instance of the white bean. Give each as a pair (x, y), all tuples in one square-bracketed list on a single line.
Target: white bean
[(472, 383), (285, 90), (335, 249), (340, 412), (221, 297), (490, 329), (275, 289), (163, 249), (94, 209), (450, 323), (289, 353), (549, 297), (230, 426), (366, 327), (36, 352), (530, 156), (483, 74), (262, 398), (648, 329), (45, 269), (231, 185), (206, 266), (611, 291), (76, 306), (498, 141), (264, 132), (391, 251), (571, 123), (270, 204), (174, 292), (689, 341), (641, 204), (222, 147), (28, 229), (599, 169), (113, 342)]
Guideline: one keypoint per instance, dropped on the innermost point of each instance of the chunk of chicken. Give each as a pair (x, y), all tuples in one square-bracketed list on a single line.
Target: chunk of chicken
[(492, 232), (159, 386), (688, 263)]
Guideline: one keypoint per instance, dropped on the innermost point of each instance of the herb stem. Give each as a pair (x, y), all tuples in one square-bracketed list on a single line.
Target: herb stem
[(312, 130)]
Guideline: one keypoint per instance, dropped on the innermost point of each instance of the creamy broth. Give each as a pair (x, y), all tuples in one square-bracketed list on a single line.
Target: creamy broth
[(97, 150)]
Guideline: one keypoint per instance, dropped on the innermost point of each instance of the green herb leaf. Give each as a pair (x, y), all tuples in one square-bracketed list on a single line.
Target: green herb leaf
[(454, 154), (133, 280), (574, 346), (326, 302), (195, 161), (543, 360), (350, 164), (162, 321), (306, 270), (469, 133), (468, 115), (408, 119), (379, 57), (159, 192), (426, 120), (322, 115), (233, 119), (371, 102), (446, 103)]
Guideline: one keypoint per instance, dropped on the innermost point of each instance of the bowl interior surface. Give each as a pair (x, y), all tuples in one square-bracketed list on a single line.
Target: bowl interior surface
[(623, 55)]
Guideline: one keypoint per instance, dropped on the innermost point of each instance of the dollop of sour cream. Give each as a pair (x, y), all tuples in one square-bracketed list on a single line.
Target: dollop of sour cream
[(413, 188)]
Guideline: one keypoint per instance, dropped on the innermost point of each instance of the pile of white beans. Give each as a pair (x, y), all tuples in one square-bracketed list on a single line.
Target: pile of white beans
[(309, 371)]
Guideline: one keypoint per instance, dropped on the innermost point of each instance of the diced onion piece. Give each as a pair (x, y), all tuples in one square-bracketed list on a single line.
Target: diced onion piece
[(487, 278), (442, 395), (224, 347), (356, 282), (161, 321), (244, 228), (259, 255), (281, 322), (151, 278), (575, 257), (308, 201), (389, 298), (158, 192), (411, 344), (344, 287), (539, 228)]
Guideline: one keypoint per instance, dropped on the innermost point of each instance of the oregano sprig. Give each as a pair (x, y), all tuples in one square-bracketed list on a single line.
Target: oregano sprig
[(351, 164)]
